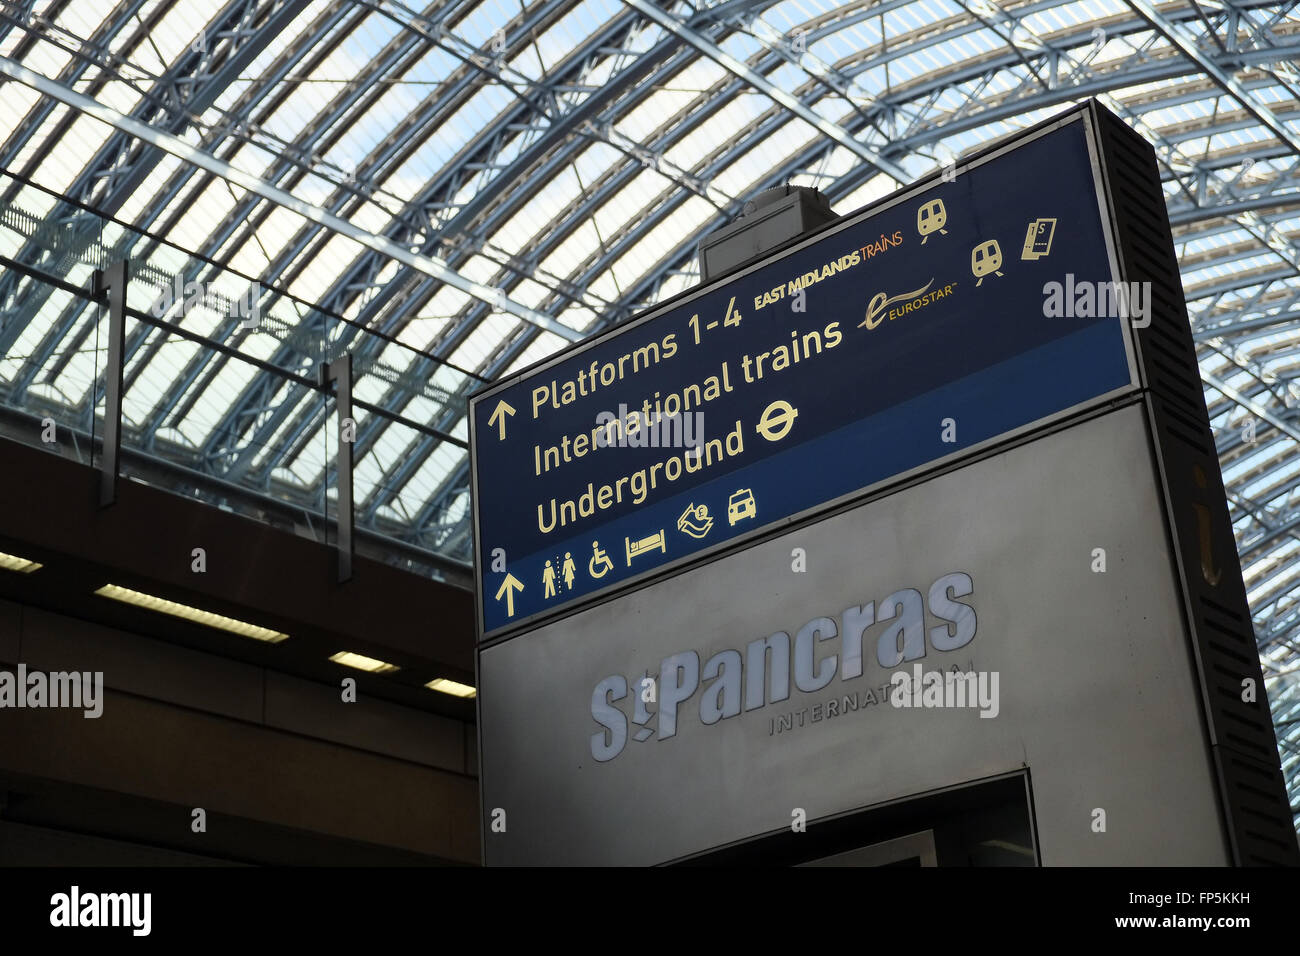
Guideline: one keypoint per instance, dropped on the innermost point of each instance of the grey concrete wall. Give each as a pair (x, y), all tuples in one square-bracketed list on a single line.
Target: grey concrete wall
[(192, 729)]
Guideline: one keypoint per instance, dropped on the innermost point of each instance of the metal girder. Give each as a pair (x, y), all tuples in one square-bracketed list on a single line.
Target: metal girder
[(241, 213), (188, 153), (765, 86), (1279, 628), (1287, 525), (119, 167), (241, 129), (96, 51), (1235, 324), (1251, 405), (246, 132), (250, 177), (1249, 220), (368, 260), (1235, 207), (1260, 111), (188, 87), (1236, 283)]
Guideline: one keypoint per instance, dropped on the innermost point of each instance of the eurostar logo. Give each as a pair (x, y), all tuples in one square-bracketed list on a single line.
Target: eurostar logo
[(880, 301), (878, 310)]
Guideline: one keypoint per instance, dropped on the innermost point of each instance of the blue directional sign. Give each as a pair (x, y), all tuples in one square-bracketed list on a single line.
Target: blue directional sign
[(944, 317)]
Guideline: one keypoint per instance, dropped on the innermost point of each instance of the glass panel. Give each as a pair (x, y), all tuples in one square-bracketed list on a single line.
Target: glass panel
[(222, 400)]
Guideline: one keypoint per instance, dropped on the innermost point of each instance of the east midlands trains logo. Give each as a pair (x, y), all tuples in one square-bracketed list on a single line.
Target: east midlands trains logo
[(733, 681)]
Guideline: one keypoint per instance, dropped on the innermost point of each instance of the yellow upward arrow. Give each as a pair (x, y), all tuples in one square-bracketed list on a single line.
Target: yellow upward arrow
[(508, 589), (499, 418)]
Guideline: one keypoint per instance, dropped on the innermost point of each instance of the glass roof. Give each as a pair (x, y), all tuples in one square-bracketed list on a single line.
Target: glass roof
[(467, 187)]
